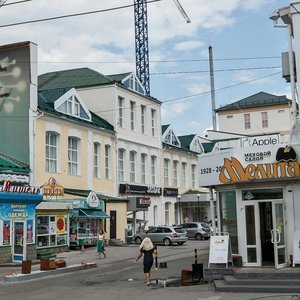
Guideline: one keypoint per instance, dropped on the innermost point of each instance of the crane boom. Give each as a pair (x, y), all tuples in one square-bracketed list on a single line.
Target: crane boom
[(179, 6)]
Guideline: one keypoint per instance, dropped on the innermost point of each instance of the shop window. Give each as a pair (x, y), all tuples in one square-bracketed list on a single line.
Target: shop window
[(51, 231), (229, 217)]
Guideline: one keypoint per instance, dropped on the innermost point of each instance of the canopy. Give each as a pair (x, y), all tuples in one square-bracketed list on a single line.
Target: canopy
[(93, 213)]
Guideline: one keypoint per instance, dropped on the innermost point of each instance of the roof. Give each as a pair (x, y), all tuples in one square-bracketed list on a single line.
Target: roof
[(208, 147), (10, 164), (85, 193), (256, 100), (186, 140), (180, 149), (81, 77), (164, 128), (46, 101), (119, 77)]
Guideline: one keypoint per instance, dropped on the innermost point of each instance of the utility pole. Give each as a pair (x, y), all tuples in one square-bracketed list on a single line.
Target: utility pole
[(212, 88)]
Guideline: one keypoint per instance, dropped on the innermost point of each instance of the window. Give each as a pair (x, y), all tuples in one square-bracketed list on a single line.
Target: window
[(51, 231), (247, 121), (107, 161), (121, 112), (132, 157), (143, 118), (193, 173), (175, 173), (183, 169), (97, 160), (132, 115), (153, 169), (264, 119), (166, 172), (73, 155), (172, 139), (143, 167), (121, 156), (167, 214), (153, 122), (51, 152)]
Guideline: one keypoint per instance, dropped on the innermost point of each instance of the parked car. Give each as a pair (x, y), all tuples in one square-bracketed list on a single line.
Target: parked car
[(166, 235), (197, 230)]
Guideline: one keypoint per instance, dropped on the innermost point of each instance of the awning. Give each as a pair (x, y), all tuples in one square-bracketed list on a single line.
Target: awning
[(93, 213)]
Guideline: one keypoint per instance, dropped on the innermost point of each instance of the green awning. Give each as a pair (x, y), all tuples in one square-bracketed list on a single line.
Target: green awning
[(93, 213)]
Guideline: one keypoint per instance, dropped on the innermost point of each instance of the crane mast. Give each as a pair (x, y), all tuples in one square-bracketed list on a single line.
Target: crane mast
[(141, 40)]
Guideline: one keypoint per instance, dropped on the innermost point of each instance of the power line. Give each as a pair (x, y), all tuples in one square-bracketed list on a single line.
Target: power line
[(220, 89), (220, 70), (16, 2), (73, 15)]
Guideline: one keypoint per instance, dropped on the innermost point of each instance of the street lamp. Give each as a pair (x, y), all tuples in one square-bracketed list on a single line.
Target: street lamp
[(179, 207), (198, 208)]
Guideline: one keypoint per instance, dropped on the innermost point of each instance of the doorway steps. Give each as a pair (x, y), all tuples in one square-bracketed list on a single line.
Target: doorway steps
[(260, 281), (116, 242)]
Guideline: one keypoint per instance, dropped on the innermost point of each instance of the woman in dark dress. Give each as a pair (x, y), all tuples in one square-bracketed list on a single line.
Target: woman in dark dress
[(147, 249)]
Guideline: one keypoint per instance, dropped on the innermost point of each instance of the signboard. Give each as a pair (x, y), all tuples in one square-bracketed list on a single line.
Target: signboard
[(296, 254), (170, 192), (260, 140), (219, 250), (16, 211), (52, 188), (242, 165), (139, 189)]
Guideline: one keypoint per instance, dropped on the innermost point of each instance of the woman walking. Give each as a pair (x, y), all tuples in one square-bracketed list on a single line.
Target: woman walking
[(147, 249), (100, 244)]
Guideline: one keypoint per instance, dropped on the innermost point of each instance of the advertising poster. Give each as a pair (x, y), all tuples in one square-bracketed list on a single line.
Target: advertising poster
[(6, 232), (15, 211), (29, 233)]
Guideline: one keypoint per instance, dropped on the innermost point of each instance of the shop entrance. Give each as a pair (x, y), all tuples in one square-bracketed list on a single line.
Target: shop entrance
[(19, 241), (265, 233)]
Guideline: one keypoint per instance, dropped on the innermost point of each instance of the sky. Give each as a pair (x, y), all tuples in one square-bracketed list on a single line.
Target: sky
[(246, 48)]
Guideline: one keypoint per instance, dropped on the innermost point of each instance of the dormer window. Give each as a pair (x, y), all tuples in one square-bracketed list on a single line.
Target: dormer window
[(133, 83), (171, 138), (70, 104)]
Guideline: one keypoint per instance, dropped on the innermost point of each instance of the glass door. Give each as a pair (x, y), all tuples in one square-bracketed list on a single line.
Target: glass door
[(19, 241), (278, 235)]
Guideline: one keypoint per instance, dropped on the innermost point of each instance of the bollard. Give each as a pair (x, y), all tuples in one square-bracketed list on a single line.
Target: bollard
[(156, 260), (26, 266), (197, 271)]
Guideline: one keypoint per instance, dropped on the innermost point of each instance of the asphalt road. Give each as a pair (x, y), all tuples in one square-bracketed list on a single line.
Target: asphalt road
[(119, 277)]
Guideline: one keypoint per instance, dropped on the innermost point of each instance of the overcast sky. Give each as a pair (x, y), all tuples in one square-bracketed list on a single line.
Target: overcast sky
[(246, 48)]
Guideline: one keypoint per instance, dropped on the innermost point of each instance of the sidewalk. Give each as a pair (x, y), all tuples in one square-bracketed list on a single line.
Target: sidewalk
[(88, 258)]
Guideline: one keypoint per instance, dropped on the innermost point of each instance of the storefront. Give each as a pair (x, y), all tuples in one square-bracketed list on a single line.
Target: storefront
[(17, 221), (257, 191), (144, 204), (86, 218)]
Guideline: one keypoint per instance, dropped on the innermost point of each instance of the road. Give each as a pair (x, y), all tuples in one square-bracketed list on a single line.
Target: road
[(119, 277)]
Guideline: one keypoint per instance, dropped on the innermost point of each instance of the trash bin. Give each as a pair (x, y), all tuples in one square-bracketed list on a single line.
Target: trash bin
[(26, 266)]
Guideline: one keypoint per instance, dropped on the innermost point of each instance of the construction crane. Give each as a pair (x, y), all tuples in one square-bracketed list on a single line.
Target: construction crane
[(141, 40)]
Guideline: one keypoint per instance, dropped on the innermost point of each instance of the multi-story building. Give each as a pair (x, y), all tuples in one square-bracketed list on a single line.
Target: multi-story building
[(121, 101), (183, 198)]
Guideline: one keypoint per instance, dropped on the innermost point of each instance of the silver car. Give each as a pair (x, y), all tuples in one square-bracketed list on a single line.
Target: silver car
[(197, 230), (166, 235)]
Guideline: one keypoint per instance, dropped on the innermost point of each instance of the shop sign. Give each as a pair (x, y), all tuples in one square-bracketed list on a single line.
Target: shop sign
[(13, 211), (143, 203), (240, 165), (21, 189), (52, 188), (170, 192), (139, 189), (92, 200), (260, 140)]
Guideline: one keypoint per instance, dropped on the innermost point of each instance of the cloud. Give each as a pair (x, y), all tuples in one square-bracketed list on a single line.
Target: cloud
[(188, 45)]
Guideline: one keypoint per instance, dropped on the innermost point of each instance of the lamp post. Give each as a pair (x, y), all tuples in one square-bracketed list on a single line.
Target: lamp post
[(179, 208), (198, 208)]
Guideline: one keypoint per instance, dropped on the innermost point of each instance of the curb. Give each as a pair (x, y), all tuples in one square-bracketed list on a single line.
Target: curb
[(40, 274)]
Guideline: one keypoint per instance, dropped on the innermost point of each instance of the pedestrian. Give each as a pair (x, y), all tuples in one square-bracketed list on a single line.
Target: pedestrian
[(100, 244), (147, 249)]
